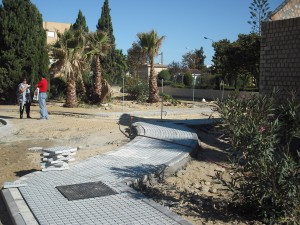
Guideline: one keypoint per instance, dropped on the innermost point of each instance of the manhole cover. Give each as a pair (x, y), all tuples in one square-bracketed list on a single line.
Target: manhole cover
[(85, 190)]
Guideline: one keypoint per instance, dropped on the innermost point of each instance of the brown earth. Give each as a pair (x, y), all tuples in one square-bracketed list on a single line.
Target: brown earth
[(195, 193)]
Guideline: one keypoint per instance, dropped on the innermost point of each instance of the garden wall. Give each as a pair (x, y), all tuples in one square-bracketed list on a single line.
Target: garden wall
[(280, 57), (207, 94)]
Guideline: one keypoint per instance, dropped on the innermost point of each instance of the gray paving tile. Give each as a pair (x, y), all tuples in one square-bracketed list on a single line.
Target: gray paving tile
[(159, 144)]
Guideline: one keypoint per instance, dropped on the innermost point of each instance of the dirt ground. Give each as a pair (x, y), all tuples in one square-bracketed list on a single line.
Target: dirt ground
[(195, 193)]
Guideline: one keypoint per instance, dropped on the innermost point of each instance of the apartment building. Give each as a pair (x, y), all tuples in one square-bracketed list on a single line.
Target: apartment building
[(52, 28)]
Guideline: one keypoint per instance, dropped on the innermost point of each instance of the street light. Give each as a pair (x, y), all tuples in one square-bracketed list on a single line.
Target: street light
[(123, 87), (222, 84), (209, 39), (161, 58), (194, 81)]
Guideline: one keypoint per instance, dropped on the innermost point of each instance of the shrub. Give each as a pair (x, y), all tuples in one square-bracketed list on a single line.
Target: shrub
[(188, 79), (58, 88), (166, 83), (178, 85), (137, 90), (164, 74), (170, 99), (206, 81), (266, 170)]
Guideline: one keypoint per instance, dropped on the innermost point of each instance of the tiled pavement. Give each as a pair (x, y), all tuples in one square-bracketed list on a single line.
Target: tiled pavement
[(158, 143)]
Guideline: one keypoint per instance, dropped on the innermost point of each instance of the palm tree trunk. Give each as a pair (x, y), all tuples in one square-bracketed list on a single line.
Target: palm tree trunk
[(106, 91), (98, 79), (71, 100), (153, 90), (83, 89)]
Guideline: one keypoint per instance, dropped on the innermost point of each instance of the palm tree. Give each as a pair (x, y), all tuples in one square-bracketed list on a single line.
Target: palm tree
[(150, 43), (68, 52), (98, 46)]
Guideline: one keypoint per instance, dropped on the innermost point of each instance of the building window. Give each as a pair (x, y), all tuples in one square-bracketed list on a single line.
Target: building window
[(51, 34)]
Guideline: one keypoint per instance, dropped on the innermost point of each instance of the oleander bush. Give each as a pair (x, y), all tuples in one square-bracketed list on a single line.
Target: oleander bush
[(266, 168), (137, 90), (170, 99)]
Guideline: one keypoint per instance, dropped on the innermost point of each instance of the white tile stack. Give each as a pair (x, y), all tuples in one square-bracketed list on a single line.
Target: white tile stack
[(57, 158)]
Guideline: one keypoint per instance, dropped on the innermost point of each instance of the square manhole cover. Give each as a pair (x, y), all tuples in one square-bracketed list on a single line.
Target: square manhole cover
[(85, 190)]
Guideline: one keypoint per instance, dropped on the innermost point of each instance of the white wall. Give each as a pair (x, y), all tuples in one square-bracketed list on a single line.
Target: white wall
[(208, 94)]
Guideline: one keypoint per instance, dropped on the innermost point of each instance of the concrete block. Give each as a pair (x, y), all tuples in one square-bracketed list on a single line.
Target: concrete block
[(14, 184)]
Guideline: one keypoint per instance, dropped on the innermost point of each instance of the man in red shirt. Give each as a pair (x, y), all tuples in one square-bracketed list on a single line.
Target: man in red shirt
[(43, 86)]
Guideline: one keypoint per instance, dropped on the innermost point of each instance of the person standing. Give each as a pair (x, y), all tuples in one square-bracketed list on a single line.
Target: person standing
[(43, 86), (24, 98)]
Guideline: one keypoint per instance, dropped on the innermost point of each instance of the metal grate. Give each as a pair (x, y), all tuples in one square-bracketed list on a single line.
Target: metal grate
[(85, 190)]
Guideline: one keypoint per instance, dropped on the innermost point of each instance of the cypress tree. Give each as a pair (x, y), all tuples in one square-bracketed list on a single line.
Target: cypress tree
[(80, 23), (112, 65), (105, 25), (22, 46)]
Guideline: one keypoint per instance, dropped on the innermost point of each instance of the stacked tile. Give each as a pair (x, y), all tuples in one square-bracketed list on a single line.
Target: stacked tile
[(57, 158)]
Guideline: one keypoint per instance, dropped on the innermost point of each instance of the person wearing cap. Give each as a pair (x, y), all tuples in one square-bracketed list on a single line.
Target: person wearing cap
[(24, 98), (43, 86)]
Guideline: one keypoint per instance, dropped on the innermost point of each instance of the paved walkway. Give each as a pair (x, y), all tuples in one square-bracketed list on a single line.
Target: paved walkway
[(157, 144)]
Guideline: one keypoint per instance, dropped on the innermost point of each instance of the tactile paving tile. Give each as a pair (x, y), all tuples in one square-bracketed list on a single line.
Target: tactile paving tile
[(85, 190)]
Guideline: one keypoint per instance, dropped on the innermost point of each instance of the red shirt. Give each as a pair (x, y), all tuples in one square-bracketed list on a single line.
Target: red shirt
[(43, 85)]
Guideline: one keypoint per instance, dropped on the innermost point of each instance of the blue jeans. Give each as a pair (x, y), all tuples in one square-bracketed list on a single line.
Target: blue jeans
[(42, 103)]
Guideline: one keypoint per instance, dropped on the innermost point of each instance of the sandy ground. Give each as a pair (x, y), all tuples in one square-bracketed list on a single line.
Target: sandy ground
[(195, 192), (81, 128)]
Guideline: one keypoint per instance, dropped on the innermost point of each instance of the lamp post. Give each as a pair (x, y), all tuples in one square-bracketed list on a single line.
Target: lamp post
[(123, 87), (194, 81), (207, 38), (222, 86), (162, 98), (161, 58)]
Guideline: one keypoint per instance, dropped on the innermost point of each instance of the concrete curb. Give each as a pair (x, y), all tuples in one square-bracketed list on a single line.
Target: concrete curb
[(18, 210)]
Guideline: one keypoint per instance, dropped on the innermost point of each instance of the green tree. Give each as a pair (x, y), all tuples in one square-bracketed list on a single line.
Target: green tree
[(135, 59), (69, 54), (188, 79), (238, 62), (194, 59), (112, 66), (220, 59), (175, 69), (150, 43), (98, 45), (249, 58), (259, 10), (22, 46), (80, 23), (120, 67), (105, 25), (164, 74)]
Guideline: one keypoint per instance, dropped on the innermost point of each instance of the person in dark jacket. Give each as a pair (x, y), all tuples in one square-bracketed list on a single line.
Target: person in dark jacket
[(24, 98)]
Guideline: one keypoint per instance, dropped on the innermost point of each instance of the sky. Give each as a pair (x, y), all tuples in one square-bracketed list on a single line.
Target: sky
[(185, 23)]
